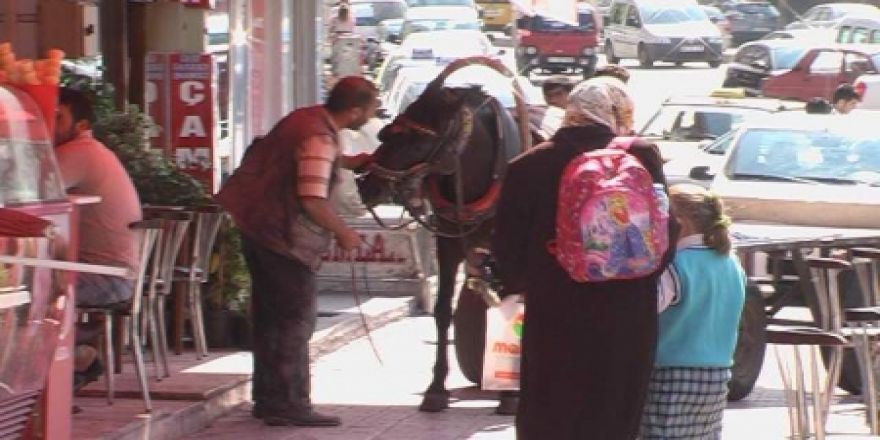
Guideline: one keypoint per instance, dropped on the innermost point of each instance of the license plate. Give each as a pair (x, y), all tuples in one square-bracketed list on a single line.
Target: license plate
[(491, 13), (692, 48), (560, 59)]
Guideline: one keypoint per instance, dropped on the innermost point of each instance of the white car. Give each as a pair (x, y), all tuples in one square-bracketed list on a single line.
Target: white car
[(434, 48), (438, 18), (369, 13), (868, 87), (829, 15), (412, 81), (800, 169)]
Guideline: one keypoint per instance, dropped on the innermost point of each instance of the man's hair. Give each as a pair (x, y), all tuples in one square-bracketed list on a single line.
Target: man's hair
[(845, 92), (819, 106), (80, 105), (557, 83), (614, 71), (350, 92)]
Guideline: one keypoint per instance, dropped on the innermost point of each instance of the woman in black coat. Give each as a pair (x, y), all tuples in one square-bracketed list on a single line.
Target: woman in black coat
[(588, 348)]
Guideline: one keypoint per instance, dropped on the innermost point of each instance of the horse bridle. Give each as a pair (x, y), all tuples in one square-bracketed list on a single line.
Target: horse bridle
[(404, 182)]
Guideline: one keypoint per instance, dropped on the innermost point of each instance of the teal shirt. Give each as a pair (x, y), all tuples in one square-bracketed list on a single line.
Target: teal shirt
[(699, 328)]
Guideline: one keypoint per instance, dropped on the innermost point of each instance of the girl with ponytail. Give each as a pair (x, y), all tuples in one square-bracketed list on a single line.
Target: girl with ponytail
[(701, 297)]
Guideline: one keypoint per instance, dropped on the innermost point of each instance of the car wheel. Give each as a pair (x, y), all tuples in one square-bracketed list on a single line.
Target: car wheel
[(679, 63), (714, 63), (751, 344), (609, 53), (729, 82), (644, 58)]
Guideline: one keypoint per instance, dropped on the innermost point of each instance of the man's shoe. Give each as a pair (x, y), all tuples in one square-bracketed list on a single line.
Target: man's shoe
[(309, 418)]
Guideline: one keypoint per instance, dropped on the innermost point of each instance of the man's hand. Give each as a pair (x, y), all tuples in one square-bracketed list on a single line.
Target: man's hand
[(349, 239), (357, 162)]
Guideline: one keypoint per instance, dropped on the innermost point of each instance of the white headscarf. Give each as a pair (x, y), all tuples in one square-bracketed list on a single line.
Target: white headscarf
[(602, 100)]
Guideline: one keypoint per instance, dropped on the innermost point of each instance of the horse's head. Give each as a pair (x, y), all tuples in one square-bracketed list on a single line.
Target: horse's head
[(423, 140)]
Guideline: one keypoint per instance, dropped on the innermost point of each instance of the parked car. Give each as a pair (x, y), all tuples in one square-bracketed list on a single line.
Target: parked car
[(553, 46), (720, 20), (708, 155), (675, 31), (755, 61), (369, 13), (433, 48), (750, 21), (683, 122), (821, 70), (868, 87), (412, 81), (829, 15), (820, 36), (802, 169), (438, 18), (861, 29)]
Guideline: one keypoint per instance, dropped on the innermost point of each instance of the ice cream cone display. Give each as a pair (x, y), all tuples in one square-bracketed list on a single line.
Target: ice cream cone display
[(46, 71)]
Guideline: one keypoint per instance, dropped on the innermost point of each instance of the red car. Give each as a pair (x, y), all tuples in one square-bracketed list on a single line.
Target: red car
[(821, 70), (551, 46)]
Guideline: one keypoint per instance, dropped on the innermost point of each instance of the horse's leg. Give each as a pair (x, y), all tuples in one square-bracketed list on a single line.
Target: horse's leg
[(449, 257)]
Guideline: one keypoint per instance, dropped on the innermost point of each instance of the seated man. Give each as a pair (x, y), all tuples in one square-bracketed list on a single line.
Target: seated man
[(90, 168)]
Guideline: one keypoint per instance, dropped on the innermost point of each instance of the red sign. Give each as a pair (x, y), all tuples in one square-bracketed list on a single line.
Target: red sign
[(180, 99)]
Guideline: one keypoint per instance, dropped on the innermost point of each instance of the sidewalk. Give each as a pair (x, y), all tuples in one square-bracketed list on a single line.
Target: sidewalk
[(200, 391), (379, 401)]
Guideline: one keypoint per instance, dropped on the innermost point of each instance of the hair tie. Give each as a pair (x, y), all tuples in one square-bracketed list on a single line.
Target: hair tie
[(723, 222)]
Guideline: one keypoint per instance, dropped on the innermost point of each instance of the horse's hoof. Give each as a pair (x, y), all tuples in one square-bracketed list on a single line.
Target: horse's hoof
[(434, 402), (507, 404)]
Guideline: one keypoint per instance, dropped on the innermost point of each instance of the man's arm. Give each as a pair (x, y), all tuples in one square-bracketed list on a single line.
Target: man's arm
[(355, 162), (314, 170)]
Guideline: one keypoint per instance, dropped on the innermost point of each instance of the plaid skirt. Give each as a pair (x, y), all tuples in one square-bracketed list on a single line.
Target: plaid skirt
[(685, 403)]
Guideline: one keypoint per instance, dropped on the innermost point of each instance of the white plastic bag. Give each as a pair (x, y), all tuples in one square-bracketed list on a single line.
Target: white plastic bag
[(504, 325)]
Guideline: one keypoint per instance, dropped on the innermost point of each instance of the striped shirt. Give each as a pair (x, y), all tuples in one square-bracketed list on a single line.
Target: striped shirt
[(315, 159)]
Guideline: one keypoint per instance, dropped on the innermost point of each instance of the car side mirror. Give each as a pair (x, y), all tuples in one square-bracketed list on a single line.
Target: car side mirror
[(701, 173), (633, 22), (501, 52), (394, 39)]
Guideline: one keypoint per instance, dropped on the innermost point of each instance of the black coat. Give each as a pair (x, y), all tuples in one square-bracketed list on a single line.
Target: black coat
[(588, 349)]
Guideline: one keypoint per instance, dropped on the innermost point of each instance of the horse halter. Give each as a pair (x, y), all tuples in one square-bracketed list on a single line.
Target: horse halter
[(441, 151)]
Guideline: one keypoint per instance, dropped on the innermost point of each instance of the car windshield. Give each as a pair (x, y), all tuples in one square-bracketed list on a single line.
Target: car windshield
[(695, 123), (493, 83), (840, 156), (370, 14), (544, 24), (758, 9), (662, 15), (787, 57)]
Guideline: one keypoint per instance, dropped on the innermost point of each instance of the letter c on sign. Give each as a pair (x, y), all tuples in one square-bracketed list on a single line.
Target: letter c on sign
[(192, 92)]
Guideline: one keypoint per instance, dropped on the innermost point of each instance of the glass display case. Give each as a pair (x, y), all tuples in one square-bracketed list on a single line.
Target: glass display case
[(28, 170), (36, 303)]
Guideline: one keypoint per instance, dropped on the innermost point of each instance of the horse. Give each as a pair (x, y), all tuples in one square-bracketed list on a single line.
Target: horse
[(446, 154)]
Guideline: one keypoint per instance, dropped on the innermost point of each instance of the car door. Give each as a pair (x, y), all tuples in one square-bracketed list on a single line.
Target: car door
[(615, 32), (856, 64), (632, 31), (823, 75)]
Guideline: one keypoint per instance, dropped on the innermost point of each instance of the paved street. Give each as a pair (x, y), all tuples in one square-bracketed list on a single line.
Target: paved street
[(380, 401)]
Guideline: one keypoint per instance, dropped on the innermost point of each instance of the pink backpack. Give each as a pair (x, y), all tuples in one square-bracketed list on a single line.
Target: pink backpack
[(611, 220)]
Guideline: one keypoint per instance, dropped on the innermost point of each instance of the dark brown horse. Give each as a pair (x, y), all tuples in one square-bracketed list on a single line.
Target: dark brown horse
[(443, 160)]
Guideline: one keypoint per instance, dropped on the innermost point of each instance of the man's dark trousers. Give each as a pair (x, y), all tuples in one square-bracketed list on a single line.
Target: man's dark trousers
[(284, 311)]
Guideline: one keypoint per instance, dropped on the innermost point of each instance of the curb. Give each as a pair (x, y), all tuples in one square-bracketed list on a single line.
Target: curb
[(352, 327)]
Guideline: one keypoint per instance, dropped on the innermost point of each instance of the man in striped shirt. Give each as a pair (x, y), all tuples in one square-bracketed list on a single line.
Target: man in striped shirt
[(279, 198)]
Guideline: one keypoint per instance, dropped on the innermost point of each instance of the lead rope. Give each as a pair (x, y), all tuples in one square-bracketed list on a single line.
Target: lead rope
[(357, 301)]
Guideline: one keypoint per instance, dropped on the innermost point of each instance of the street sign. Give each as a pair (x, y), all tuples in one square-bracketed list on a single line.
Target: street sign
[(180, 99)]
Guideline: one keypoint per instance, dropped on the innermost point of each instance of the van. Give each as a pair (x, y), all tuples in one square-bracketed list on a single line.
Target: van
[(859, 30), (674, 31), (497, 15), (553, 46)]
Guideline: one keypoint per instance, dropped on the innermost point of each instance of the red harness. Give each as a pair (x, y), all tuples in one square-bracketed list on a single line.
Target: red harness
[(472, 212)]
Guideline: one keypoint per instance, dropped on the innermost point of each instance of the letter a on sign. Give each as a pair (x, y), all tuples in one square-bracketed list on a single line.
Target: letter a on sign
[(192, 127)]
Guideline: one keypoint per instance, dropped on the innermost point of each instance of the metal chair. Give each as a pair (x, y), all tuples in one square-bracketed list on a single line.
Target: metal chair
[(175, 224), (195, 272), (865, 326), (149, 231)]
